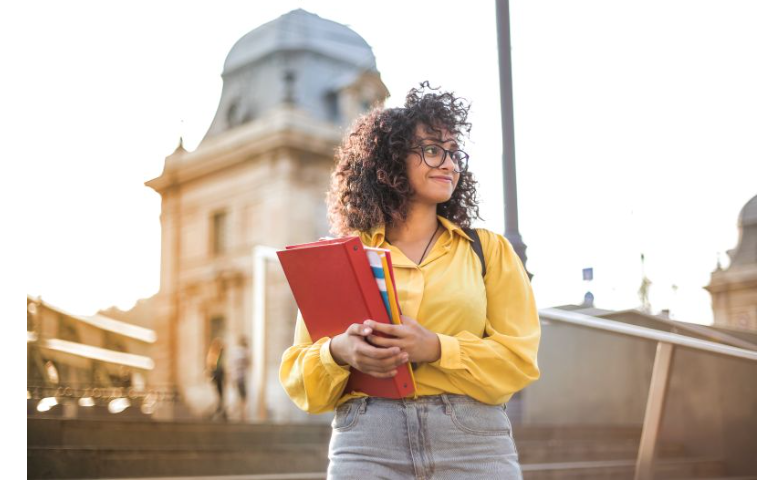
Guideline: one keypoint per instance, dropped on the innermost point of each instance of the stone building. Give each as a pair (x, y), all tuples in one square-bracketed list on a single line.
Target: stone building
[(733, 290), (87, 366), (258, 178)]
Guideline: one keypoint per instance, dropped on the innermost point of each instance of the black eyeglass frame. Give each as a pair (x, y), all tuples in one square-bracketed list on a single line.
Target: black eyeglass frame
[(445, 153)]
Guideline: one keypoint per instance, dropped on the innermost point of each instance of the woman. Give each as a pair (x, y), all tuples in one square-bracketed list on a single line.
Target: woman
[(214, 365), (401, 182), (240, 363)]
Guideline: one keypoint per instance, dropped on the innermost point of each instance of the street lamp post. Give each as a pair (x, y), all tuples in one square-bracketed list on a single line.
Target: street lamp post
[(509, 148)]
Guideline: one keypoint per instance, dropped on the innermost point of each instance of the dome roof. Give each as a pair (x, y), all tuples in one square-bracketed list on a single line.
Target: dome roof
[(294, 61), (747, 214), (301, 30), (745, 251)]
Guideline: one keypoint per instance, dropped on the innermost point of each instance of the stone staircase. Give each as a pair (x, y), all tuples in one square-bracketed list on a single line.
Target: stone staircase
[(67, 449), (87, 449), (583, 452)]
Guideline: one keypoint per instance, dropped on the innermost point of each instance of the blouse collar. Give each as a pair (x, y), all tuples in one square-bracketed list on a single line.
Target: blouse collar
[(376, 236)]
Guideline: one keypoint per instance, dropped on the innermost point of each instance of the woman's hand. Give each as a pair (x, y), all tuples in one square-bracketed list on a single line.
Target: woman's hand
[(422, 345), (351, 348)]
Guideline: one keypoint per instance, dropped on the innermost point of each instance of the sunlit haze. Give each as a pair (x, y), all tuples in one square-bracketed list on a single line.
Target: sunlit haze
[(635, 126)]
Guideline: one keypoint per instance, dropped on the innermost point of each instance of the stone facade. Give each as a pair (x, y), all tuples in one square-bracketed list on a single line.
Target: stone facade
[(733, 290), (256, 180)]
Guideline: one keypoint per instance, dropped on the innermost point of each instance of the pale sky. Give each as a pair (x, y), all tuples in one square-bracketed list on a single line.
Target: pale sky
[(635, 126)]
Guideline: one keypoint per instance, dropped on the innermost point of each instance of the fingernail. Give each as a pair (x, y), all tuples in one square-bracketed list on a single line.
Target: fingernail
[(366, 331)]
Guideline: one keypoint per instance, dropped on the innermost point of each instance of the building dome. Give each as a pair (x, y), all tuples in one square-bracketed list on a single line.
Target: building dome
[(301, 30), (316, 65), (747, 214), (745, 251)]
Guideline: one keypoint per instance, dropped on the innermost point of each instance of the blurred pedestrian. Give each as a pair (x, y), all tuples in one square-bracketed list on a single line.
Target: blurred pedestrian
[(240, 366), (214, 362)]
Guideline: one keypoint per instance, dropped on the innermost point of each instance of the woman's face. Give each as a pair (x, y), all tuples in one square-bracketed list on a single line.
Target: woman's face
[(432, 185)]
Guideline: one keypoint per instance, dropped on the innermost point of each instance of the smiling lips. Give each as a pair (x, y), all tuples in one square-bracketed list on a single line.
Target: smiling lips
[(443, 179)]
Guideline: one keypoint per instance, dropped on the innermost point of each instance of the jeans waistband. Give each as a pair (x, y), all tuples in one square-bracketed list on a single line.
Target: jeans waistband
[(446, 399)]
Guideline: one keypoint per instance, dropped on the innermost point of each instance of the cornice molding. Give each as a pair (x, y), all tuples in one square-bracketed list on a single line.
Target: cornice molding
[(283, 128)]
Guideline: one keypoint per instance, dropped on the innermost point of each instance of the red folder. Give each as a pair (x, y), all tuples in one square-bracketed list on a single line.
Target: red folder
[(334, 287)]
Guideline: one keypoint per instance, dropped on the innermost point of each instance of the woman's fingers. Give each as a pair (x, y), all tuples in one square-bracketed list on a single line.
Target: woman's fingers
[(359, 330), (378, 353), (394, 330), (381, 356), (384, 341), (382, 360)]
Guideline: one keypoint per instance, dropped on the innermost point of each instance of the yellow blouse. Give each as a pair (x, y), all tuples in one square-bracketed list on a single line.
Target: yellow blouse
[(488, 327)]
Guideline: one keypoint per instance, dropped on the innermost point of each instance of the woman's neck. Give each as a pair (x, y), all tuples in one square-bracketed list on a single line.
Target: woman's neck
[(420, 224)]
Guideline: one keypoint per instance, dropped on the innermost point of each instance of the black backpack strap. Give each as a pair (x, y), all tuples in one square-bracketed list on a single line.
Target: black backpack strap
[(477, 246)]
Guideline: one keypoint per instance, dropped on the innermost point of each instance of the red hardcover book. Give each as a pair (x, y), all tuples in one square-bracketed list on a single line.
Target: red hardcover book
[(334, 287)]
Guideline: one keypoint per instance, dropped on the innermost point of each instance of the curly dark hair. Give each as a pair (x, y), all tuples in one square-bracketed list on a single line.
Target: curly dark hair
[(369, 184)]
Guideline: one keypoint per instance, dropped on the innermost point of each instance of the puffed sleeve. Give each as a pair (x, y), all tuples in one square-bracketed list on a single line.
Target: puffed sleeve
[(493, 368), (309, 373)]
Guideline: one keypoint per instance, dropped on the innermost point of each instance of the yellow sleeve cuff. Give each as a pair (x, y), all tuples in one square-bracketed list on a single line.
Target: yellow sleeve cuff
[(450, 353), (332, 367)]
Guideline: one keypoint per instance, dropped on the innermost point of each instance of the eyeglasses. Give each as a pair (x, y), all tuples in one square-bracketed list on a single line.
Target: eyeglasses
[(434, 156)]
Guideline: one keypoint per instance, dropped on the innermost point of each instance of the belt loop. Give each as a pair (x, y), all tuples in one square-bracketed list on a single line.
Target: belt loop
[(448, 405), (362, 407)]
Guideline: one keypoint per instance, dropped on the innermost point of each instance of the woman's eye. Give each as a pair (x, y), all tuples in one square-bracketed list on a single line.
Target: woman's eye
[(432, 150)]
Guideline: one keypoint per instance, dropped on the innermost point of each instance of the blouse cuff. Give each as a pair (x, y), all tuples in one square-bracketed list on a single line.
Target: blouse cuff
[(332, 367), (450, 353)]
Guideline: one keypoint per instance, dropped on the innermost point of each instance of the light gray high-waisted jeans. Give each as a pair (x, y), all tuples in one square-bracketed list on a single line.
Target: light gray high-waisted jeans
[(439, 437)]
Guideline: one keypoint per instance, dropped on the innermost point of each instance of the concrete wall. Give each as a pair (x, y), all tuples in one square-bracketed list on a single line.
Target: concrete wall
[(711, 408), (595, 378), (589, 378)]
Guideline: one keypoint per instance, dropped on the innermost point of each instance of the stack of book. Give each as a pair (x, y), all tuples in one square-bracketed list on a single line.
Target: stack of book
[(339, 282)]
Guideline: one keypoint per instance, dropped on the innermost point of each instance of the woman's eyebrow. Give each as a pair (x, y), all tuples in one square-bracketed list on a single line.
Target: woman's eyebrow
[(439, 140)]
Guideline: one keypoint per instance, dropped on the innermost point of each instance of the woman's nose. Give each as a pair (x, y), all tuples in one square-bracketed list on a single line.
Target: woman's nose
[(447, 163)]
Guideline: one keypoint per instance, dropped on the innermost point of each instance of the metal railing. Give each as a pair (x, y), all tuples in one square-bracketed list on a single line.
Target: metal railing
[(661, 371)]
